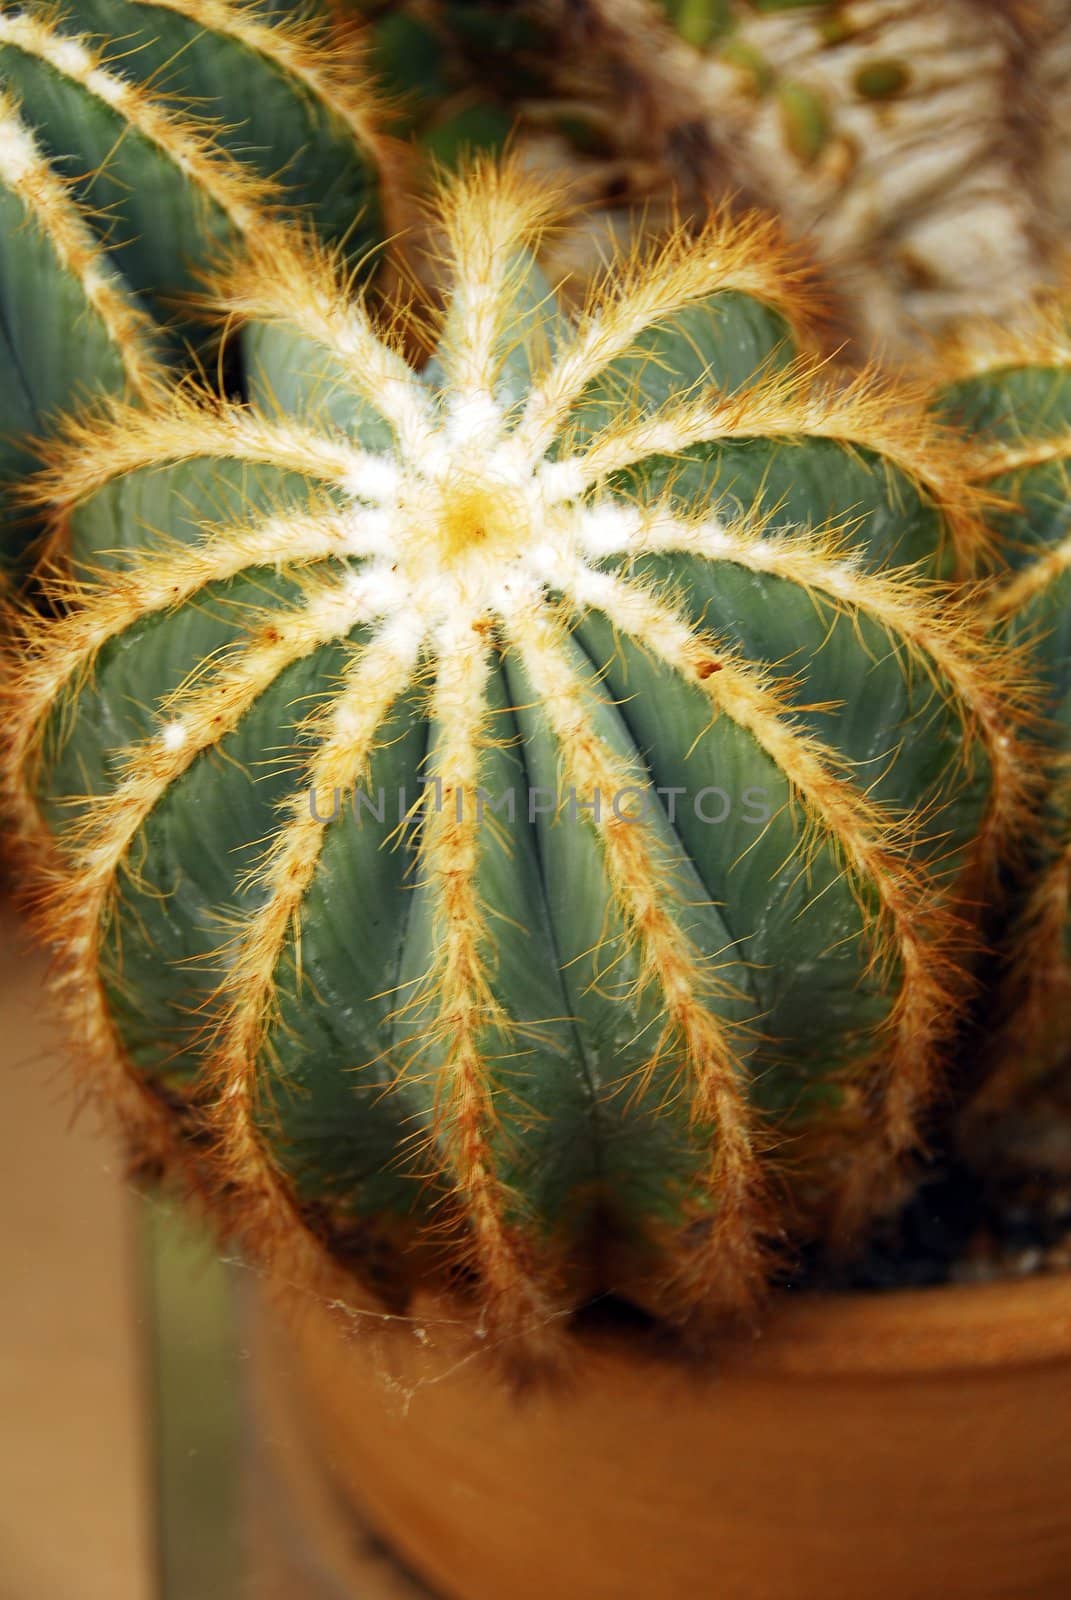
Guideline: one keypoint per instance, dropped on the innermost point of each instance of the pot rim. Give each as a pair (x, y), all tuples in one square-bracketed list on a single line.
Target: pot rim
[(839, 1334), (1013, 1322)]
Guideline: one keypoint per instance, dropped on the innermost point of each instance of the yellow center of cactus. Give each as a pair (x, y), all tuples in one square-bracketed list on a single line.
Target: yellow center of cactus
[(479, 516)]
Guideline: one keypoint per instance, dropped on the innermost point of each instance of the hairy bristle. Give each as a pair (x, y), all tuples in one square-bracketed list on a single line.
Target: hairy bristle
[(112, 440), (640, 291), (492, 219), (1016, 592), (1039, 337), (298, 282)]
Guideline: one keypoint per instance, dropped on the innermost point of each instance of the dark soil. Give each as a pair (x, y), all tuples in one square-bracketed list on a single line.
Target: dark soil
[(961, 1228), (957, 1228)]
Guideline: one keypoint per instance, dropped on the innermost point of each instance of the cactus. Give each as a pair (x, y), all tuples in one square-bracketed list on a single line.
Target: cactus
[(920, 151), (647, 570), (138, 138), (1009, 389)]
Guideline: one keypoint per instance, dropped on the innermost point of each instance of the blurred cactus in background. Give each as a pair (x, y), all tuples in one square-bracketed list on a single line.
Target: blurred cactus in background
[(1009, 389), (921, 150), (440, 68), (138, 138)]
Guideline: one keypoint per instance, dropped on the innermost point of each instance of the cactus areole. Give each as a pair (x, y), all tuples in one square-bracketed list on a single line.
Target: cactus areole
[(505, 826)]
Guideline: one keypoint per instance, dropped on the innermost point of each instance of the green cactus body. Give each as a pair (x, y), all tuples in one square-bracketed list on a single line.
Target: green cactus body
[(642, 572), (292, 98), (127, 197), (1011, 393)]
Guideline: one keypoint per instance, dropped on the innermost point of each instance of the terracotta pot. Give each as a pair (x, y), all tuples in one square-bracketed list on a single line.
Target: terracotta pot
[(905, 1445)]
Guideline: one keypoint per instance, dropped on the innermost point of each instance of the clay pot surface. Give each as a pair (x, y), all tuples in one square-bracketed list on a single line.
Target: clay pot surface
[(908, 1445)]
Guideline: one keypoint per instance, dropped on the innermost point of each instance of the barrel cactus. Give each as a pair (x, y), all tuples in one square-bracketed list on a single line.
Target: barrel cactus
[(138, 138), (513, 826), (1009, 389)]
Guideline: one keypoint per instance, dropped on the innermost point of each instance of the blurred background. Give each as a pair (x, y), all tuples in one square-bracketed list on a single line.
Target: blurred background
[(75, 1452)]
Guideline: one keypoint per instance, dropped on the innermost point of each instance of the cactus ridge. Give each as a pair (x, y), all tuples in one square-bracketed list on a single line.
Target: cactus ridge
[(328, 60), (560, 1034), (190, 146), (51, 207)]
